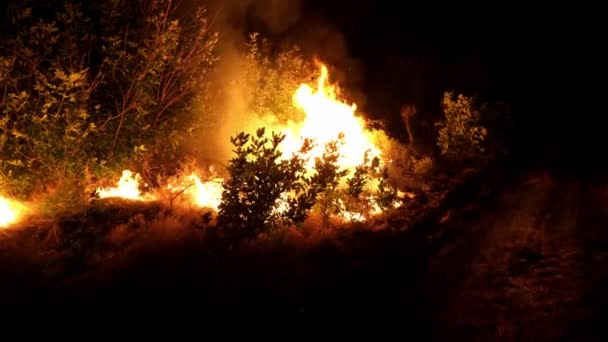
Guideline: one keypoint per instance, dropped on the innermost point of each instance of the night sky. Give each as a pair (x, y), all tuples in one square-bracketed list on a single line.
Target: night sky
[(390, 52), (541, 60)]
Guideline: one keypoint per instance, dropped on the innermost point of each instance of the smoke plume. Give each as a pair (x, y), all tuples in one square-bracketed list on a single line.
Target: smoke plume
[(226, 112)]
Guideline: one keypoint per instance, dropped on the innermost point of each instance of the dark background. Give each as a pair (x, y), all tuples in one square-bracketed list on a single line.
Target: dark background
[(407, 52), (541, 60)]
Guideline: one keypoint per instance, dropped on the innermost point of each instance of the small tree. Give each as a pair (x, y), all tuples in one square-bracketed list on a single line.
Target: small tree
[(153, 73), (461, 135)]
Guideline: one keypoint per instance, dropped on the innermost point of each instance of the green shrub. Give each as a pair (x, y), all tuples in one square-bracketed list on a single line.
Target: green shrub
[(422, 167), (461, 135)]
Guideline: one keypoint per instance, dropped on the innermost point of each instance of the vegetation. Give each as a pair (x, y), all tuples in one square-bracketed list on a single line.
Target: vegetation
[(266, 192), (88, 88), (274, 77), (369, 189), (254, 196), (461, 136), (87, 92)]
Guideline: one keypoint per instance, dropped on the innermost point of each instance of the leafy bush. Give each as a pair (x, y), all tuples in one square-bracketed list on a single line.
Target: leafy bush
[(89, 88), (399, 168), (46, 122), (275, 76), (422, 167), (461, 134), (264, 191), (155, 73)]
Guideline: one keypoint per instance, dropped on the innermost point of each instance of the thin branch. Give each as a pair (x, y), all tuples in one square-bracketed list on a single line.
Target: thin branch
[(111, 118), (168, 105), (61, 104), (95, 82), (4, 93), (179, 193), (122, 119), (29, 60)]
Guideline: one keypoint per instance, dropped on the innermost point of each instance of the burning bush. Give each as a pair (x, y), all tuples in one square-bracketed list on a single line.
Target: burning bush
[(267, 190), (74, 117), (264, 191)]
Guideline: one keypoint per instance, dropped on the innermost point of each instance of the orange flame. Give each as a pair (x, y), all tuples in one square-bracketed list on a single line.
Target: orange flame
[(327, 117), (10, 212), (206, 194), (127, 188)]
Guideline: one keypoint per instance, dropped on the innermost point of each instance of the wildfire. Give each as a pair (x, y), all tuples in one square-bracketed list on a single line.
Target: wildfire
[(205, 194), (127, 188), (327, 117), (10, 212)]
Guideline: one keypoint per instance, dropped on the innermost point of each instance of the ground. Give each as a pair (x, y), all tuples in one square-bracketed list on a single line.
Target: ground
[(529, 268), (522, 257)]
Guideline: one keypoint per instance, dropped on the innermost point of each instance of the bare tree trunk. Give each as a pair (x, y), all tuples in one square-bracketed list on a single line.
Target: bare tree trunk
[(407, 112), (410, 136)]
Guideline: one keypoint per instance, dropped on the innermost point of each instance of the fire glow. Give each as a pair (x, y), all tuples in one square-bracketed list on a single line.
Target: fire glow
[(10, 212), (203, 194), (326, 118), (127, 188)]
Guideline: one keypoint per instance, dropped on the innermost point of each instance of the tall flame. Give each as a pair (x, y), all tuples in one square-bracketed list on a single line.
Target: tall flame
[(10, 212), (327, 117)]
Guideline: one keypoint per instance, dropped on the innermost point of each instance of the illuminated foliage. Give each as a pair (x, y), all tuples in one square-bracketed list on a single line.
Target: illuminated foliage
[(274, 76), (266, 191), (254, 198), (422, 167), (461, 134), (368, 190), (327, 179), (88, 88)]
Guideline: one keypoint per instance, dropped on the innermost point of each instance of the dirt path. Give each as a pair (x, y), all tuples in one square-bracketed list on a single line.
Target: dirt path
[(523, 270)]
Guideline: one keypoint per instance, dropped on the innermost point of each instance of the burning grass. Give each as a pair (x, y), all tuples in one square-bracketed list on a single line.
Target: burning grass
[(326, 166), (327, 120)]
